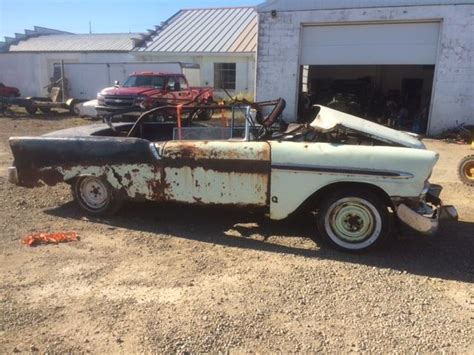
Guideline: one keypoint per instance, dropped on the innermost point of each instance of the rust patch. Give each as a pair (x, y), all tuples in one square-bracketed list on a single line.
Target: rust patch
[(36, 178), (195, 150), (157, 187), (225, 166)]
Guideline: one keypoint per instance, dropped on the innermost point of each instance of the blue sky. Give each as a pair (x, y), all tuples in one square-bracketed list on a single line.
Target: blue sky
[(105, 15)]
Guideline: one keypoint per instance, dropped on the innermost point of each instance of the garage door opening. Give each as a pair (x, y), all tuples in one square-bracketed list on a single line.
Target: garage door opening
[(394, 95)]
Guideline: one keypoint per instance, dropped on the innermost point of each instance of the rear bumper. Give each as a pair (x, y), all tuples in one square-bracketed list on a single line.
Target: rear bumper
[(12, 175), (427, 223)]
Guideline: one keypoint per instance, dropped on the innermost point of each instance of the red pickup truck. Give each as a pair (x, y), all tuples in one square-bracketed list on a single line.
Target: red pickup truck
[(8, 91), (146, 90)]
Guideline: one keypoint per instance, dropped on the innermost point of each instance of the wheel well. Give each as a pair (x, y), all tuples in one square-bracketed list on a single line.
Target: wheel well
[(315, 199)]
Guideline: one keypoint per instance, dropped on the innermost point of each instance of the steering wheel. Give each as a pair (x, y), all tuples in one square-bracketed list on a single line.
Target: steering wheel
[(145, 116), (276, 112)]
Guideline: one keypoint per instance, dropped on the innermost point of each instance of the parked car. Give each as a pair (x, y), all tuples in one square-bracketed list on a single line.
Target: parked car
[(146, 90), (358, 177), (86, 109), (8, 91)]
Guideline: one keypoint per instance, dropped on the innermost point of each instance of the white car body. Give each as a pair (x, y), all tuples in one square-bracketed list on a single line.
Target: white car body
[(86, 109), (276, 175)]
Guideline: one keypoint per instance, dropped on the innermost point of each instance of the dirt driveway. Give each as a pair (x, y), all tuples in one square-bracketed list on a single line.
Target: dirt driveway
[(169, 279)]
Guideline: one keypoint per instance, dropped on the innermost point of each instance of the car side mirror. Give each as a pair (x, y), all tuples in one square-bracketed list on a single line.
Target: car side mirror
[(116, 83)]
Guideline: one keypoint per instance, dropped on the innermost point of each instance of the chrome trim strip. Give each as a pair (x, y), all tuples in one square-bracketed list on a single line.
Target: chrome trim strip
[(345, 171)]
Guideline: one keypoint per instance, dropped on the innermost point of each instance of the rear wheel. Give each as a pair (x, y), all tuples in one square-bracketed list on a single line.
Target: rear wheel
[(95, 196), (354, 220), (466, 170)]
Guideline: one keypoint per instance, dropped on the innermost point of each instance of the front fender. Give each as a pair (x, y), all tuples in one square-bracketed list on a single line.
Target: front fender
[(299, 170)]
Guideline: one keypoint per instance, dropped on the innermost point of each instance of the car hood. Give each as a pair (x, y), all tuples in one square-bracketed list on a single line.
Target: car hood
[(133, 91), (328, 119)]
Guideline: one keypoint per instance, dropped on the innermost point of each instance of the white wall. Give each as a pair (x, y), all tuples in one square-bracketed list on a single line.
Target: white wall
[(30, 72), (245, 65), (279, 48)]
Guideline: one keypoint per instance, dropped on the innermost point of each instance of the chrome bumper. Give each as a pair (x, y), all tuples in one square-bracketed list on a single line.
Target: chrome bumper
[(428, 224), (423, 224), (12, 175)]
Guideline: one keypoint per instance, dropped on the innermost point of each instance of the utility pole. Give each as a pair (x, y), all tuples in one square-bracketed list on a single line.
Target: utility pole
[(90, 28)]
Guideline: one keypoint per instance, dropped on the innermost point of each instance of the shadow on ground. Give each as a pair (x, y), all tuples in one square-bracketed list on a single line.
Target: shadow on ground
[(449, 255), (52, 115)]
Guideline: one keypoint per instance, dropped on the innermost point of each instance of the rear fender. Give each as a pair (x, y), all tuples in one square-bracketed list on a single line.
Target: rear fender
[(127, 164)]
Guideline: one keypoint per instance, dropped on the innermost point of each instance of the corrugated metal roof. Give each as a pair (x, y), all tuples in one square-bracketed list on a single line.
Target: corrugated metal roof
[(116, 42), (35, 32), (214, 30)]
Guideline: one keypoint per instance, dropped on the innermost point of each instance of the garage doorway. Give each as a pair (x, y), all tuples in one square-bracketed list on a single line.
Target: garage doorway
[(380, 71), (395, 95)]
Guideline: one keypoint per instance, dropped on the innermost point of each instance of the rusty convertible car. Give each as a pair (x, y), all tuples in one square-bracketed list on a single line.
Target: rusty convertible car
[(357, 177)]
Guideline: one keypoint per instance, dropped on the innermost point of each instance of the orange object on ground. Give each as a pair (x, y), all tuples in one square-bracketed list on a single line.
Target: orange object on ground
[(46, 238)]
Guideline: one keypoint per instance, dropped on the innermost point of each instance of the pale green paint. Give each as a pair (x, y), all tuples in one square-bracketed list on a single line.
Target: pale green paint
[(291, 187)]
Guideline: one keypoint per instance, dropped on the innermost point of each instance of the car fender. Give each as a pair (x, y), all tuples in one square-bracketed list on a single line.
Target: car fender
[(299, 170)]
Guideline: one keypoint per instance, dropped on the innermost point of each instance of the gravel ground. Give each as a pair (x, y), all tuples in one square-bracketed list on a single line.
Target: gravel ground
[(169, 279)]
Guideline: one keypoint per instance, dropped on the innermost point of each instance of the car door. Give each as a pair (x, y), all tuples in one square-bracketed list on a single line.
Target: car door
[(184, 93), (216, 172), (175, 93)]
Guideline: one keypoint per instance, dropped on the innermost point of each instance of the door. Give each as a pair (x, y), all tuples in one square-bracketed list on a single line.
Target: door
[(217, 172), (177, 91), (367, 44)]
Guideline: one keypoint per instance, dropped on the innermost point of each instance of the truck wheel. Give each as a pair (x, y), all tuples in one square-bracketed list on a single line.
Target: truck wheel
[(354, 221), (466, 170), (95, 196), (31, 109)]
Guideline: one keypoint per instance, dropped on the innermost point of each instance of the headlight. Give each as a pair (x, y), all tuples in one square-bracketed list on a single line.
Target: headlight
[(139, 99)]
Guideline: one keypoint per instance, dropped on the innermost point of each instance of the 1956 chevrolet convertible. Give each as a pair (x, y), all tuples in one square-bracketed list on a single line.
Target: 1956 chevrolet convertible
[(357, 176)]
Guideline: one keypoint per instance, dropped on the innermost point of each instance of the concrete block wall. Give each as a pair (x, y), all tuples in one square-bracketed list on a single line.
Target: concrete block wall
[(453, 88)]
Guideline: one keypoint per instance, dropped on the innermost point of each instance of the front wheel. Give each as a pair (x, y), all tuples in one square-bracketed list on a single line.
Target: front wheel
[(95, 196), (354, 221)]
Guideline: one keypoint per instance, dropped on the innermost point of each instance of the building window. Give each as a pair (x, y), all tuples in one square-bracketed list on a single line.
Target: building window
[(224, 76)]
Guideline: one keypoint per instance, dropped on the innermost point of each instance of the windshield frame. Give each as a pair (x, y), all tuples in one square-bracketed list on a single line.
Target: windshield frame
[(155, 81)]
